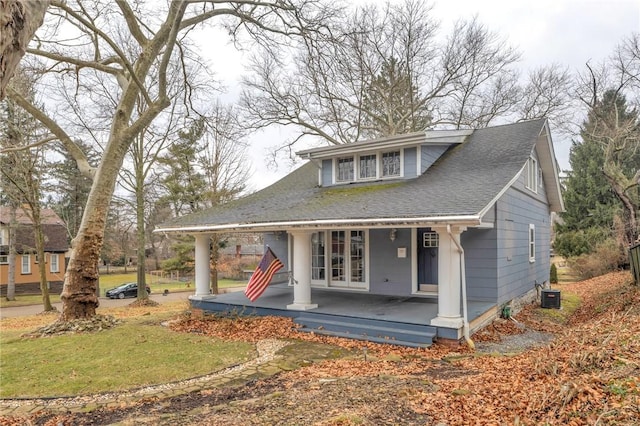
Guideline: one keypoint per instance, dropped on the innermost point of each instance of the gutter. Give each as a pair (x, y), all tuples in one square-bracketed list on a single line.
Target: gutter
[(471, 220), (463, 285)]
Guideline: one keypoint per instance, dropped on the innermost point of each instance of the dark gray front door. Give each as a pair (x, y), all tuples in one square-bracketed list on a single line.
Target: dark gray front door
[(427, 258)]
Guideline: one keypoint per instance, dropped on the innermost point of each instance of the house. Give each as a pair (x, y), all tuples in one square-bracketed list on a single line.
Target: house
[(27, 276), (431, 232)]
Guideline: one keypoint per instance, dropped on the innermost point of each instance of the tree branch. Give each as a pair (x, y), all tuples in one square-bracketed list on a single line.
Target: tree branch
[(81, 160)]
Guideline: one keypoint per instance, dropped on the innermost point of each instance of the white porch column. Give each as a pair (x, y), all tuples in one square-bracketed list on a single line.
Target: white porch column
[(203, 276), (301, 271), (449, 314)]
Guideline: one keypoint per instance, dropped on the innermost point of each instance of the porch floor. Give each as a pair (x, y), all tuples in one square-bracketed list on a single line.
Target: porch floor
[(274, 301)]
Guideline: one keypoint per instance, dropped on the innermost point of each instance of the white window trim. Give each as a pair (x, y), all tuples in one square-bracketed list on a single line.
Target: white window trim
[(363, 286), (531, 247), (53, 263), (531, 178), (22, 268), (3, 239), (4, 259), (356, 167)]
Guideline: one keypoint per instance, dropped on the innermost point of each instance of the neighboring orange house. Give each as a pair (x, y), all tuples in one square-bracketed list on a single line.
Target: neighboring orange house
[(26, 272)]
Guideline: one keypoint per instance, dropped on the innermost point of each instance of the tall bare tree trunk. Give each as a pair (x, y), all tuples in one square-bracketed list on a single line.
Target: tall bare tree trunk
[(11, 279), (19, 20)]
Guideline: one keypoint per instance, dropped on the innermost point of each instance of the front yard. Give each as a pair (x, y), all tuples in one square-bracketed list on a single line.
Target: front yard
[(589, 373)]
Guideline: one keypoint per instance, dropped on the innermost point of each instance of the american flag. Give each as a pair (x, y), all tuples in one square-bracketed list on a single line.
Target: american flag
[(261, 277)]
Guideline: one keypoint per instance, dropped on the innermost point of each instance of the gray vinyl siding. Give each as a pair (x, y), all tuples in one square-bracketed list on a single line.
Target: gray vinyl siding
[(279, 244), (389, 274), (327, 172), (429, 155), (518, 208), (410, 163), (480, 249)]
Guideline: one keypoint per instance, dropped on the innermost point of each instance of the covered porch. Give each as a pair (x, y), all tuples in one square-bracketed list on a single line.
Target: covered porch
[(405, 319)]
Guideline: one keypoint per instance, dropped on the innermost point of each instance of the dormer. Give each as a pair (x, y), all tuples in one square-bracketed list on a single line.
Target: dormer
[(394, 157)]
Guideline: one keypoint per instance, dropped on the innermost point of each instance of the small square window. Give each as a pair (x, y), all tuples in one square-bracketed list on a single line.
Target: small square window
[(4, 259)]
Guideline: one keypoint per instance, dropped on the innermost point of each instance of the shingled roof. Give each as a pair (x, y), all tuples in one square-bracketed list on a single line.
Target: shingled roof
[(54, 229), (459, 187)]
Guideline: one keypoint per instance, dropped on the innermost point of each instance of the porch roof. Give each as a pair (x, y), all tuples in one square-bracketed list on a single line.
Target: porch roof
[(458, 188)]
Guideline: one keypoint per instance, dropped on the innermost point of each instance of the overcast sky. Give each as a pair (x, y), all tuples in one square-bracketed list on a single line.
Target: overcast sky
[(569, 32)]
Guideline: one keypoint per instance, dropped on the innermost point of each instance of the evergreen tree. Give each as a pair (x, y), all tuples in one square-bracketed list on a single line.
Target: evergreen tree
[(591, 203), (393, 103), (72, 189)]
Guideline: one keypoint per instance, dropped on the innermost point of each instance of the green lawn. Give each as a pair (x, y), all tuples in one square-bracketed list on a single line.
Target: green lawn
[(109, 281), (137, 353)]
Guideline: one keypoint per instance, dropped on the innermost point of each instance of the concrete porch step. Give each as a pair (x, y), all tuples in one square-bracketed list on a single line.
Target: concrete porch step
[(414, 335)]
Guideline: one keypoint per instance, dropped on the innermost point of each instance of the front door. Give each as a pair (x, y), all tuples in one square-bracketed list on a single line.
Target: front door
[(427, 259)]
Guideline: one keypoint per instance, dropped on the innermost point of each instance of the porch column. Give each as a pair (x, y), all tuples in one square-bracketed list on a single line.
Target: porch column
[(203, 276), (449, 314), (301, 271)]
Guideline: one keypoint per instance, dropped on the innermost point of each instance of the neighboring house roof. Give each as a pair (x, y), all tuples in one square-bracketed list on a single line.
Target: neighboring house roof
[(54, 229), (459, 187)]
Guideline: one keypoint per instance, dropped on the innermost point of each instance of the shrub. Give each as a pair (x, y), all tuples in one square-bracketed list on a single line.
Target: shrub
[(608, 256), (575, 243), (553, 274)]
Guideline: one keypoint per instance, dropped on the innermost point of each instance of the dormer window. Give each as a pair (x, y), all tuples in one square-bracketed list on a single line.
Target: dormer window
[(344, 169), (368, 166), (391, 164)]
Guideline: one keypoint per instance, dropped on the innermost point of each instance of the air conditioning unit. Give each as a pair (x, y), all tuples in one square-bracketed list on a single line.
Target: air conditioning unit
[(550, 299)]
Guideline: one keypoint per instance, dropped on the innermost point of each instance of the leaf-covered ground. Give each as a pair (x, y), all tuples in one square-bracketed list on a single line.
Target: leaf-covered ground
[(588, 374)]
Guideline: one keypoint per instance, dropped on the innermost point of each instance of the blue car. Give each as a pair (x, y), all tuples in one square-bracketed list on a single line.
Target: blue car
[(125, 290)]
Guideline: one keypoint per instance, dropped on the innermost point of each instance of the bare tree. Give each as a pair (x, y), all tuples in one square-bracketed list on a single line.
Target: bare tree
[(611, 92), (101, 63), (382, 71), (23, 176), (19, 20)]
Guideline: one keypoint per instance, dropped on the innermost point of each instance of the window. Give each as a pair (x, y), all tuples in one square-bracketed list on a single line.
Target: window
[(53, 262), (4, 259), (367, 166), (357, 256), (532, 242), (391, 164), (26, 264), (344, 169), (318, 268), (3, 239), (430, 239), (337, 256), (532, 174)]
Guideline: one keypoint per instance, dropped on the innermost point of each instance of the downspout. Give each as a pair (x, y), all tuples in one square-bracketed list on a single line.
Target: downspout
[(463, 285)]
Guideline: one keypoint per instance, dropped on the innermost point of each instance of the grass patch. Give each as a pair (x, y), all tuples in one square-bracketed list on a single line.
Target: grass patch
[(110, 281), (27, 299), (138, 353), (569, 302)]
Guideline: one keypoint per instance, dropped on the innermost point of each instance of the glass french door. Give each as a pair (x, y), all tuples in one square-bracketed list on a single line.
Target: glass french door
[(347, 255)]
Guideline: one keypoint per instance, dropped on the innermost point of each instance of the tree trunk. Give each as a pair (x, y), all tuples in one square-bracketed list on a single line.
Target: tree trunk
[(140, 234), (11, 279), (42, 264), (631, 225), (19, 20)]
